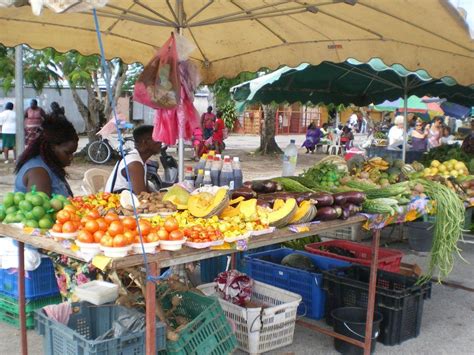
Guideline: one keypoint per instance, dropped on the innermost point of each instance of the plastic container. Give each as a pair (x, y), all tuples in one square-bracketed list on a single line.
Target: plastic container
[(172, 245), (226, 177), (207, 181), (398, 298), (389, 259), (208, 332), (199, 179), (91, 249), (351, 321), (97, 292), (200, 164), (215, 170), (150, 248), (189, 177), (9, 309), (266, 267), (63, 235), (87, 323), (290, 157), (116, 252), (238, 175), (420, 235), (261, 329), (39, 283), (203, 245)]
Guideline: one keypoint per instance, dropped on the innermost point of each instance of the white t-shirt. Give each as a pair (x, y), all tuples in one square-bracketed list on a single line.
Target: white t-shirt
[(8, 122), (121, 182), (395, 135)]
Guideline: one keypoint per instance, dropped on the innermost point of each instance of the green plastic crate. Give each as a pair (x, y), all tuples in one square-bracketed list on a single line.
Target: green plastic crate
[(14, 319), (10, 304), (209, 332)]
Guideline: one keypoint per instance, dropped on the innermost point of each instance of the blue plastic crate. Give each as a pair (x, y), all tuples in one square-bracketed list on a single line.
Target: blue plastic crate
[(213, 266), (266, 267), (86, 323), (39, 283)]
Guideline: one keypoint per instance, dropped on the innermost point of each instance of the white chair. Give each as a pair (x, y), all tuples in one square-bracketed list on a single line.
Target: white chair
[(335, 148), (94, 180)]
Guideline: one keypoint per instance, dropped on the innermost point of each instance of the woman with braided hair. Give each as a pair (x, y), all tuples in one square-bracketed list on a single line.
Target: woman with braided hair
[(43, 161)]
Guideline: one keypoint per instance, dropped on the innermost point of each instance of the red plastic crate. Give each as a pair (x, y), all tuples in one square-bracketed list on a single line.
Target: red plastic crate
[(389, 259)]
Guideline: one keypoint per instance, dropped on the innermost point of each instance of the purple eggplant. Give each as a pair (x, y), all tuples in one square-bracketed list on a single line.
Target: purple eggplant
[(322, 199), (244, 192), (339, 199), (354, 197), (326, 214)]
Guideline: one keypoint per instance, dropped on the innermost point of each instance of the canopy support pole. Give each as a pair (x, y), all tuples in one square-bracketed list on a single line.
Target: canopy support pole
[(20, 130), (180, 124), (405, 114)]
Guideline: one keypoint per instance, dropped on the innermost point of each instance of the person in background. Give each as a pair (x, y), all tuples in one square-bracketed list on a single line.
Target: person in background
[(435, 132), (353, 119), (338, 130), (56, 110), (395, 133), (218, 135), (145, 148), (198, 142), (412, 124), (8, 123), (324, 130), (447, 137), (34, 117), (347, 137), (313, 137), (419, 137), (207, 123), (468, 142), (43, 162)]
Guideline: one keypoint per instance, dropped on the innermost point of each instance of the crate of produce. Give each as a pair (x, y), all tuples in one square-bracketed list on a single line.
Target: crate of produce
[(39, 283), (86, 324), (266, 267), (207, 330), (389, 259), (398, 298), (10, 312), (268, 323)]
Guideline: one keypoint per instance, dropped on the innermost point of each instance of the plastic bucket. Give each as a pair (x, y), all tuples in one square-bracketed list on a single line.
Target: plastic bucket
[(350, 321), (420, 235)]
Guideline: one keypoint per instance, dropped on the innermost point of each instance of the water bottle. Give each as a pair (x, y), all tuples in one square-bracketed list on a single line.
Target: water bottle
[(189, 177), (221, 161), (207, 181), (199, 182), (201, 163), (227, 174), (210, 159), (290, 156), (237, 170), (215, 171)]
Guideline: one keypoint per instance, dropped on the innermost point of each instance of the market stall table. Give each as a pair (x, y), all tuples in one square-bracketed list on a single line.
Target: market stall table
[(186, 255)]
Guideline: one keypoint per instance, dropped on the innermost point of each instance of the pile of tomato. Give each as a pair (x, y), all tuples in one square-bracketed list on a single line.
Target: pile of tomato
[(67, 220), (201, 234)]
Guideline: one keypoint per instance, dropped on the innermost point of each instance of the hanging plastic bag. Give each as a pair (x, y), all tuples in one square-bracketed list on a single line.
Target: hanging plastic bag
[(158, 86)]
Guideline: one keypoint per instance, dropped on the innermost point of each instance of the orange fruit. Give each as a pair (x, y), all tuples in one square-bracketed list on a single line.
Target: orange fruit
[(85, 237), (91, 226), (63, 216), (115, 228), (110, 217), (69, 227), (129, 223)]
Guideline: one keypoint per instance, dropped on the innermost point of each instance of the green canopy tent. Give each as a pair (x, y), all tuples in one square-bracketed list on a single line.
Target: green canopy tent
[(350, 82)]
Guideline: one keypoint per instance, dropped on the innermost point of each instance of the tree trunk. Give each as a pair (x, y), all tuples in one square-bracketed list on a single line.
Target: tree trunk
[(117, 83), (268, 144)]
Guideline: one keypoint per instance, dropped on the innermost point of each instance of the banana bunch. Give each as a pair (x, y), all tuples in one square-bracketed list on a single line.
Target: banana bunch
[(376, 163)]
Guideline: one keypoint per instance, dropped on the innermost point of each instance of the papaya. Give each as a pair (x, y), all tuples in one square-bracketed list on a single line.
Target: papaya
[(177, 196), (282, 214), (206, 204)]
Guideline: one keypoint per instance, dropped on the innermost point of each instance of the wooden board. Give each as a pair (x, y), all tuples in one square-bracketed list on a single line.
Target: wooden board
[(186, 254)]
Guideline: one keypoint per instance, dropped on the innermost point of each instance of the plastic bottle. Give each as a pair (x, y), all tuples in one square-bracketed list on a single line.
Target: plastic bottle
[(208, 164), (290, 157), (238, 175), (207, 181), (221, 161), (227, 174), (200, 178), (215, 171), (189, 177), (200, 164)]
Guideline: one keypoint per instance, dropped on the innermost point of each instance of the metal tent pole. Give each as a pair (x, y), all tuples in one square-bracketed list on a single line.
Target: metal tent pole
[(20, 125), (405, 114), (179, 11)]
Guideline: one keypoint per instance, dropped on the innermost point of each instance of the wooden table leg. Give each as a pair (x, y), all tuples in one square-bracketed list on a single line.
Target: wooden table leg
[(372, 289), (21, 297), (150, 308)]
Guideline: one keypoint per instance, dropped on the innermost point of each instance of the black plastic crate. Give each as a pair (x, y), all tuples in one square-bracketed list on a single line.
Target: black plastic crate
[(398, 298)]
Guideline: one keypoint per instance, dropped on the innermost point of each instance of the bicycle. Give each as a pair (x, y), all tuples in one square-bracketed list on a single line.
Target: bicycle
[(100, 151)]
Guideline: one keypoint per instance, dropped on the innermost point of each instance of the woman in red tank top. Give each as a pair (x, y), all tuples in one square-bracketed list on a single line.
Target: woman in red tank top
[(34, 117)]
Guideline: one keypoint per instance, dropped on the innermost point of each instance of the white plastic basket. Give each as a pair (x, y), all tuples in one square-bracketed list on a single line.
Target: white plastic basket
[(97, 292), (261, 329)]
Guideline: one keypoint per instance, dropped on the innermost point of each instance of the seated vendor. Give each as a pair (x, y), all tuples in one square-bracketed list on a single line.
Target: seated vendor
[(43, 161), (145, 148)]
